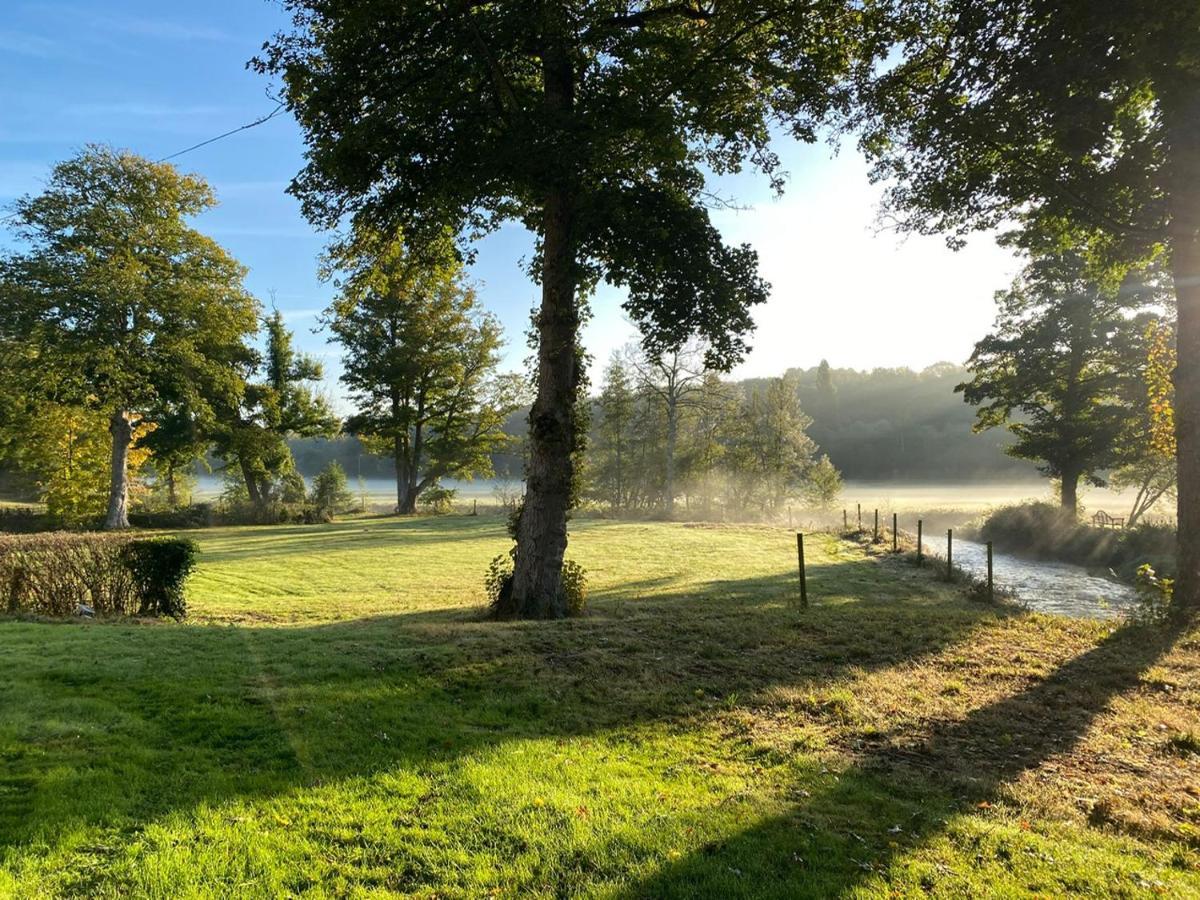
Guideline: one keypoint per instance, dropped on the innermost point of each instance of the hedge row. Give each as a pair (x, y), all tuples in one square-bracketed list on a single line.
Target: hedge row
[(112, 574)]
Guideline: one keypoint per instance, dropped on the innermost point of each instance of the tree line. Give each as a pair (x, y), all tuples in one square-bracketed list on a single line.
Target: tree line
[(668, 429)]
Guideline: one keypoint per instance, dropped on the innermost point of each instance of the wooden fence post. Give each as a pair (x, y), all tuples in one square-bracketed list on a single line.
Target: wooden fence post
[(920, 542), (876, 538), (991, 593), (845, 520), (895, 534), (803, 575), (860, 517), (949, 554)]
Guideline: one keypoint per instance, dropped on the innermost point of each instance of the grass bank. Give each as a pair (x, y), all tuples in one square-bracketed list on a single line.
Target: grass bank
[(338, 720)]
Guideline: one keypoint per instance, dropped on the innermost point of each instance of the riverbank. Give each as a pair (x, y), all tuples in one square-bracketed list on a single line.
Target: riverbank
[(338, 718)]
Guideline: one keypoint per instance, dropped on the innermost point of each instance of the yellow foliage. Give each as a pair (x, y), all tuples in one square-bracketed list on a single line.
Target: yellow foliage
[(1160, 369), (71, 451)]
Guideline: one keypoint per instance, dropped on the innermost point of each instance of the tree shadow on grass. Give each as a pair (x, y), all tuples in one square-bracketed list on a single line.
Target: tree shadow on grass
[(116, 726), (883, 800)]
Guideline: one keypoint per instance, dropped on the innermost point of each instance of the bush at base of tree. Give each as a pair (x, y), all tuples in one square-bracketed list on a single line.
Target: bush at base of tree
[(499, 579)]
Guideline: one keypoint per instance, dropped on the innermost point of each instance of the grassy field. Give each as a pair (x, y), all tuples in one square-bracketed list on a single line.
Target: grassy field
[(338, 719)]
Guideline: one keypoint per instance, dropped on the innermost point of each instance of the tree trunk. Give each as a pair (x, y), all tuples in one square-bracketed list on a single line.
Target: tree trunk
[(1185, 257), (542, 531), (672, 439), (252, 486), (172, 492), (405, 502), (1070, 492), (1181, 108), (542, 535), (118, 491)]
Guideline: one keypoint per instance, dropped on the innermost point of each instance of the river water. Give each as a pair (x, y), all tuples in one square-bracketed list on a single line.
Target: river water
[(1050, 587)]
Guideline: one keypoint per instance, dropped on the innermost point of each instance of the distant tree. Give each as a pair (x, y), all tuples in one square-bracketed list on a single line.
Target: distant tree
[(1079, 117), (593, 124), (707, 433), (616, 408), (330, 495), (772, 452), (121, 302), (827, 399), (280, 401), (822, 483), (1061, 370), (672, 379), (420, 361)]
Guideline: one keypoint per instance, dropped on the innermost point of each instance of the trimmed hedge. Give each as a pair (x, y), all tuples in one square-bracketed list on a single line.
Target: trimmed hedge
[(23, 520), (113, 574)]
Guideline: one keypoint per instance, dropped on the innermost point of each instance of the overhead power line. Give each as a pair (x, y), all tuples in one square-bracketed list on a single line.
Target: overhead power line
[(212, 140)]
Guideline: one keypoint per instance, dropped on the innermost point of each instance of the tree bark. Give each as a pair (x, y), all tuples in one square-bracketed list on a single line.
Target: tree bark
[(1070, 491), (672, 440), (252, 486), (542, 535), (1181, 111), (172, 492), (1185, 263), (403, 507), (542, 531), (118, 492)]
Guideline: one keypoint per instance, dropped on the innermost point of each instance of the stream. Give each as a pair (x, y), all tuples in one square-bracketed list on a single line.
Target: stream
[(1044, 586)]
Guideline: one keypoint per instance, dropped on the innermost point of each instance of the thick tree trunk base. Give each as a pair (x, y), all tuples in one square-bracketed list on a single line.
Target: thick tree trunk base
[(118, 493)]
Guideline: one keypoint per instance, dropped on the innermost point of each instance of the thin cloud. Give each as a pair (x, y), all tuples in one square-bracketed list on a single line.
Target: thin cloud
[(23, 44), (140, 109), (172, 31)]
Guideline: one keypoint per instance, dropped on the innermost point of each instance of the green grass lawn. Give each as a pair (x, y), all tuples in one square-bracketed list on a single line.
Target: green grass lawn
[(337, 718)]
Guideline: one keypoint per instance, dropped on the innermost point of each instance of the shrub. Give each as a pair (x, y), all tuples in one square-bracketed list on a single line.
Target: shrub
[(23, 520), (55, 574), (438, 499), (198, 515), (275, 512), (1153, 597), (159, 567), (329, 492), (499, 578)]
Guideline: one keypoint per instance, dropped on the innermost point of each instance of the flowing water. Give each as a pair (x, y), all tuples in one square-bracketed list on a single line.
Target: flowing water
[(1043, 586)]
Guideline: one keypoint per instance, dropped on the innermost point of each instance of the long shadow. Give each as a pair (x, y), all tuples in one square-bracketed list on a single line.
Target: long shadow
[(967, 763), (116, 726)]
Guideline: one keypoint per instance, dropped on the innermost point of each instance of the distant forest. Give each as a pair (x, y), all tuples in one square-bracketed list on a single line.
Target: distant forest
[(885, 424)]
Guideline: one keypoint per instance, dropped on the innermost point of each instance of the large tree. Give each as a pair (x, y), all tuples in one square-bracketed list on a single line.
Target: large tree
[(120, 304), (1063, 370), (420, 360), (593, 123), (1077, 116)]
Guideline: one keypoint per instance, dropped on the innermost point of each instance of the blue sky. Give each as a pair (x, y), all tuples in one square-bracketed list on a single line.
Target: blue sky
[(156, 78)]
